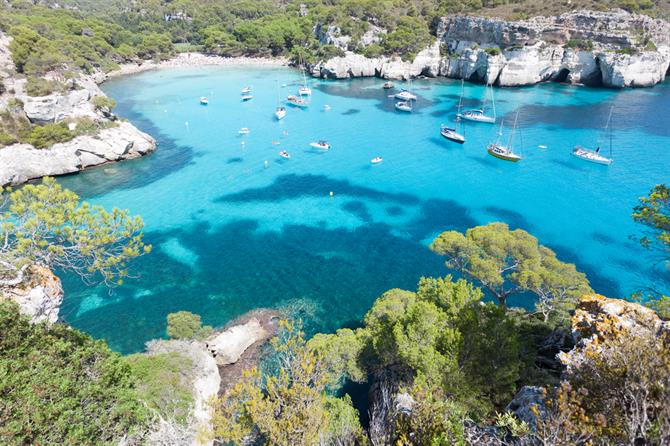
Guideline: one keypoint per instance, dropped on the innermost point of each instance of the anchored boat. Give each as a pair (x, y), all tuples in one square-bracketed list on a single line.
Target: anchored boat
[(321, 144), (594, 156), (505, 152), (479, 115)]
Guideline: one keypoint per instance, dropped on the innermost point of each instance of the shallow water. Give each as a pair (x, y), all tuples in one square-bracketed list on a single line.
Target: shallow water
[(234, 227)]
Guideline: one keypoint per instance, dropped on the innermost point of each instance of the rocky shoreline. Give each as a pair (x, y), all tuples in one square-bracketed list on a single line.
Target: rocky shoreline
[(612, 49)]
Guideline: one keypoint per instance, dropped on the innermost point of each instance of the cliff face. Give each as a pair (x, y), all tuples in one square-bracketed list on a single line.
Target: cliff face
[(115, 141), (613, 49), (39, 295), (599, 320)]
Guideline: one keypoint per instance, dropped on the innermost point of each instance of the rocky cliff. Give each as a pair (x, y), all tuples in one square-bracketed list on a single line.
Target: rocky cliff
[(613, 49), (115, 140), (39, 294)]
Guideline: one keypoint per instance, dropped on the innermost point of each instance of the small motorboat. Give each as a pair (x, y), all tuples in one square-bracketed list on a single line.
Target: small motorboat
[(297, 101), (542, 146), (405, 95), (476, 116), (246, 90), (244, 131), (405, 106), (304, 91), (280, 113), (387, 85), (376, 160), (204, 101), (275, 143), (321, 145), (284, 154), (451, 134), (247, 97), (326, 107), (593, 156)]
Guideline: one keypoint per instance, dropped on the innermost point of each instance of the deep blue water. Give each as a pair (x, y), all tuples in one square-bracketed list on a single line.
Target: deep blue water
[(232, 233)]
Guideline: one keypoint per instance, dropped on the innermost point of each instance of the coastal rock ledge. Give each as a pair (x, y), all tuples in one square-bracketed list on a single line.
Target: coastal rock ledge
[(22, 162), (612, 49)]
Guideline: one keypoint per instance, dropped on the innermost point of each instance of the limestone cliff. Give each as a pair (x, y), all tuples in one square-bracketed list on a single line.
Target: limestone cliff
[(114, 141), (39, 294), (613, 49)]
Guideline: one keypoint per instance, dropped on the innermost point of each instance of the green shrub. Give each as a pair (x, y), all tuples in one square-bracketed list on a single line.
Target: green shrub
[(38, 86), (186, 325), (163, 383), (373, 50), (103, 102), (493, 51), (628, 51), (43, 136), (59, 386)]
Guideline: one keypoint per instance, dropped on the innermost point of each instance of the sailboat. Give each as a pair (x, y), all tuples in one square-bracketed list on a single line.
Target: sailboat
[(479, 115), (594, 156), (304, 90), (280, 111), (450, 132), (505, 152)]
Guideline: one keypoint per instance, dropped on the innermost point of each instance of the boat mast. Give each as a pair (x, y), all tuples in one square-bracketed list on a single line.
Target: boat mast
[(511, 135), (493, 101), (609, 126)]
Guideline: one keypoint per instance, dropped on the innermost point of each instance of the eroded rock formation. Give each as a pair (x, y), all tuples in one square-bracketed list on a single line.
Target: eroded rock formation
[(614, 49), (39, 295)]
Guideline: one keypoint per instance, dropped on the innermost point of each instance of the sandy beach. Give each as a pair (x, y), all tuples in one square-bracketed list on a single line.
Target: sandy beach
[(190, 60)]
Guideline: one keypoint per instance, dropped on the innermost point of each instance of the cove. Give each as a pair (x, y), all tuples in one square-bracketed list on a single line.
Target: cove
[(235, 228)]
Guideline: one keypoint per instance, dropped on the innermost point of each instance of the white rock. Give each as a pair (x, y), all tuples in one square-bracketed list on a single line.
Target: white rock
[(39, 296), (530, 65), (22, 162), (228, 346), (638, 70)]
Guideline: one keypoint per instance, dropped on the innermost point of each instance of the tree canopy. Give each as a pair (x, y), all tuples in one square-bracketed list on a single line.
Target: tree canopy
[(46, 224), (507, 262)]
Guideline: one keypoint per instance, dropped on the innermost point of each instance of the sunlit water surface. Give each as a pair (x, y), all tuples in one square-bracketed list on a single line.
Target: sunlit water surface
[(234, 227)]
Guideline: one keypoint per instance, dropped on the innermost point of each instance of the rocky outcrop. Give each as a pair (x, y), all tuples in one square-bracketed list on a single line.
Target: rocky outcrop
[(72, 104), (228, 346), (205, 379), (613, 49), (599, 319), (22, 162), (39, 295)]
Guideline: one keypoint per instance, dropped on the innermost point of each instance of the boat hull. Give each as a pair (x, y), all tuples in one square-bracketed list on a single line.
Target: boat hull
[(591, 157), (511, 157), (453, 137), (475, 118)]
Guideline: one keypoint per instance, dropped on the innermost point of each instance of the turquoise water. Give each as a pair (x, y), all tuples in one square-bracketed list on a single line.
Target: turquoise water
[(232, 232)]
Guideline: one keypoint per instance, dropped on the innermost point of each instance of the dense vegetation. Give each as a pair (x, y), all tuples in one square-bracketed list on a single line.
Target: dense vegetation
[(441, 361), (88, 35), (59, 386)]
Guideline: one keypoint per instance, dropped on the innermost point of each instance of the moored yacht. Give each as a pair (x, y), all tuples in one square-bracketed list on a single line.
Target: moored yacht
[(405, 106), (405, 95), (479, 115), (505, 152), (297, 101), (594, 156), (451, 134), (321, 144), (204, 101)]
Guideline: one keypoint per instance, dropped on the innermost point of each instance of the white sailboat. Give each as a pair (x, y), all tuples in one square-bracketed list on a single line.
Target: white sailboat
[(501, 151), (594, 156), (304, 90), (280, 111), (479, 115), (450, 133)]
